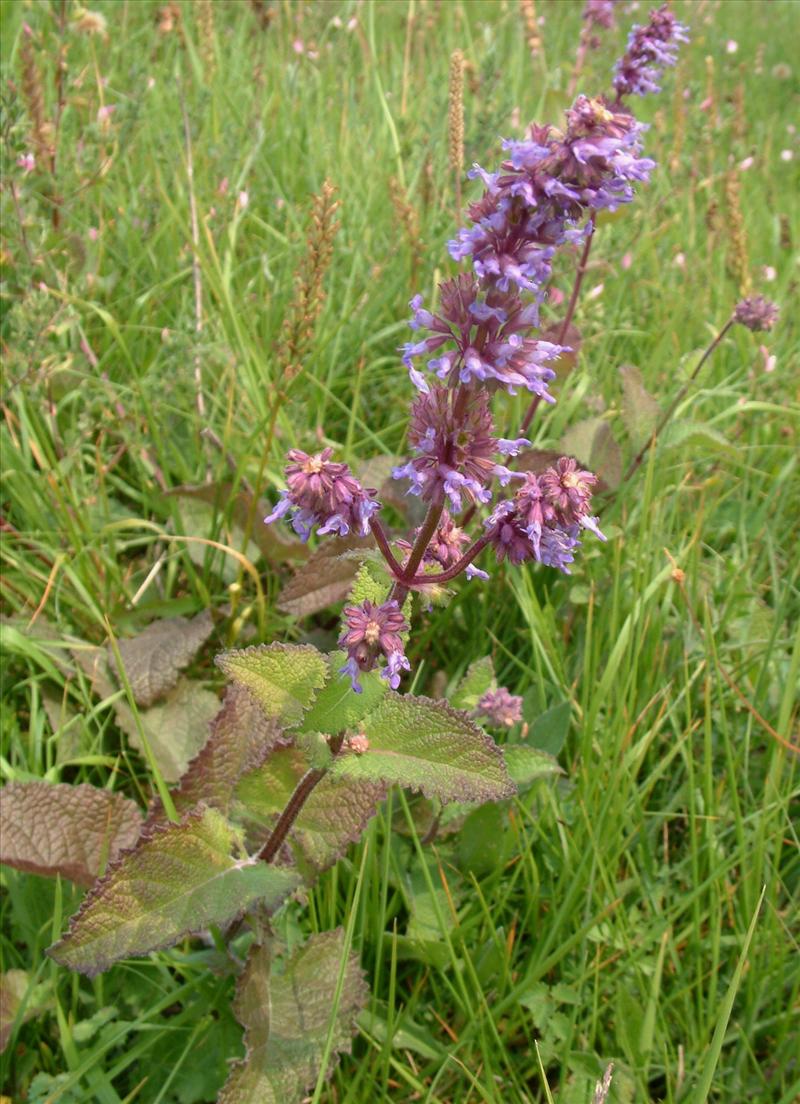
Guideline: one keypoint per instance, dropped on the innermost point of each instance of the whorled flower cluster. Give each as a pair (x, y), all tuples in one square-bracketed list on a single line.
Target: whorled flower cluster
[(651, 48), (544, 519), (481, 339), (325, 494), (756, 312), (370, 632), (452, 433), (500, 708), (550, 180)]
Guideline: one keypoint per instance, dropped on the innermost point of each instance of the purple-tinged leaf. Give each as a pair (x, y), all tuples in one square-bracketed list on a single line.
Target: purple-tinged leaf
[(287, 1019), (537, 460), (592, 443), (639, 409), (176, 728), (241, 738), (425, 745), (68, 830), (153, 659), (283, 678), (178, 880), (324, 580), (334, 815)]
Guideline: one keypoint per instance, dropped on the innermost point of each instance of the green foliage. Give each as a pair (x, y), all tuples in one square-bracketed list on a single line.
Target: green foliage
[(286, 1014), (177, 881), (478, 679), (282, 678)]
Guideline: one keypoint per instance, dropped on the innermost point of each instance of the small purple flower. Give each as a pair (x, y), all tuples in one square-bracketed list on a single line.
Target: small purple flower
[(453, 435), (324, 493), (372, 631), (757, 313), (544, 520), (500, 708), (650, 49)]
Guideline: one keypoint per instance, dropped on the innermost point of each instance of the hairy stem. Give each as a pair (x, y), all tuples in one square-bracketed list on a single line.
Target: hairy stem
[(382, 542), (302, 792), (400, 587), (673, 406), (456, 569)]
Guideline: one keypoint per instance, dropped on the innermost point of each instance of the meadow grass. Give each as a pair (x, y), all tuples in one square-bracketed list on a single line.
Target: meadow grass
[(645, 909)]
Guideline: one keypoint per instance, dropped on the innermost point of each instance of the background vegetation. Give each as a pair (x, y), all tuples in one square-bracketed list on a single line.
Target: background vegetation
[(643, 910)]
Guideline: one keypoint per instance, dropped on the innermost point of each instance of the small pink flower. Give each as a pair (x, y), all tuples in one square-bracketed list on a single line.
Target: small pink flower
[(731, 46), (787, 155), (747, 164), (706, 104), (556, 296), (680, 261), (94, 233), (595, 292), (299, 46), (357, 743), (27, 162), (627, 261), (242, 200), (151, 83), (769, 360), (105, 112), (352, 23), (769, 273), (222, 187)]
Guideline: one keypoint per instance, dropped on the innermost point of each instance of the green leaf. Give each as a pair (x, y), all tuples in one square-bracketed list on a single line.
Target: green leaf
[(547, 731), (282, 678), (478, 679), (333, 816), (20, 1000), (154, 658), (337, 706), (241, 737), (425, 745), (68, 830), (483, 840), (367, 587), (177, 881), (286, 1016), (639, 409), (526, 764)]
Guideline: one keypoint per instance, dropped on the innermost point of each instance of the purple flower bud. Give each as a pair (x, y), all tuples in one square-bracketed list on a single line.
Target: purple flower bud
[(757, 313), (650, 49), (372, 631), (500, 708), (324, 493)]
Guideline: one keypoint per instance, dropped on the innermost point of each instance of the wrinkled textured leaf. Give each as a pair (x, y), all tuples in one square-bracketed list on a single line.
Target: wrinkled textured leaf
[(283, 678), (241, 737), (68, 830), (639, 409), (176, 728), (286, 1017), (527, 765), (592, 443), (178, 880), (15, 988), (478, 679), (324, 580), (367, 587), (333, 816), (336, 707), (426, 745), (94, 664), (153, 659)]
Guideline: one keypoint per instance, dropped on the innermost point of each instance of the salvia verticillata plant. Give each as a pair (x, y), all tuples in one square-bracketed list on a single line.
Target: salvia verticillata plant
[(306, 744)]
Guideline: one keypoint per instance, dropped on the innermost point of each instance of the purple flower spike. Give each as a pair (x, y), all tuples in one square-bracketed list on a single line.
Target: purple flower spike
[(650, 49), (500, 708), (325, 494), (452, 433), (757, 313), (372, 631)]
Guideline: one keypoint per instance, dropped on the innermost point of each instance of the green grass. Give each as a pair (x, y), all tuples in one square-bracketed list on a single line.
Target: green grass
[(643, 911)]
